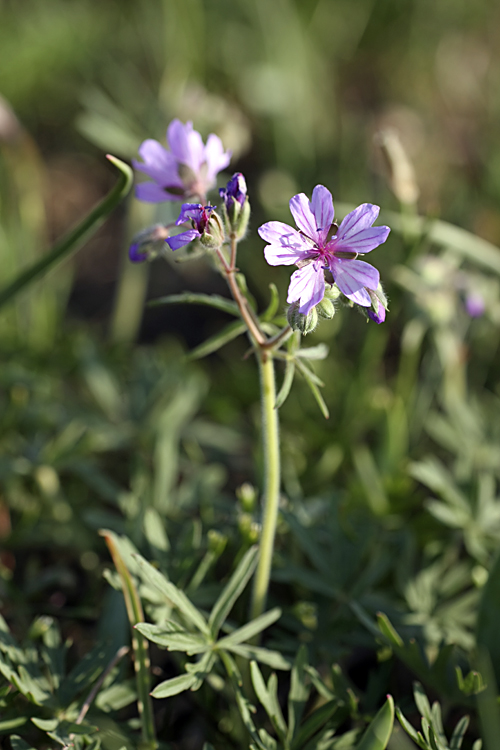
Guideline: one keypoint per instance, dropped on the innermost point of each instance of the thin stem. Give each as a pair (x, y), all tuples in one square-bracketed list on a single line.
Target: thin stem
[(240, 300), (270, 441), (279, 339)]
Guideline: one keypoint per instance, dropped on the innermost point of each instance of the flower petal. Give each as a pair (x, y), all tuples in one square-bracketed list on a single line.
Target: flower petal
[(286, 246), (189, 211), (360, 242), (150, 192), (322, 208), (307, 285), (184, 238), (352, 275), (361, 218), (186, 144), (216, 158), (159, 164), (304, 218)]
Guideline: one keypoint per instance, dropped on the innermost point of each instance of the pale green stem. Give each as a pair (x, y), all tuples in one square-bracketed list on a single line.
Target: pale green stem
[(271, 449)]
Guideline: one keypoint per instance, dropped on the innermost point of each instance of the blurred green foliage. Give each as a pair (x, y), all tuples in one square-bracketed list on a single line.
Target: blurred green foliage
[(390, 525)]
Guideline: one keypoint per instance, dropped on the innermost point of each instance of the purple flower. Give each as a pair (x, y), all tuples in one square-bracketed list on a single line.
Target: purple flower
[(234, 192), (147, 244), (189, 168), (474, 304), (199, 216), (379, 315), (313, 249)]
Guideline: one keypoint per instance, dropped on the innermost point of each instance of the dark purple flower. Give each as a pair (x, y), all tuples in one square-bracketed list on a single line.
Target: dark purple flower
[(148, 243), (314, 250), (234, 192), (189, 168), (199, 216), (379, 315)]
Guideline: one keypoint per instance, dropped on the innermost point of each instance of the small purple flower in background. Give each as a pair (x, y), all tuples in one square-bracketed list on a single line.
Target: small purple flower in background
[(205, 226), (314, 250), (188, 169), (148, 243), (474, 304)]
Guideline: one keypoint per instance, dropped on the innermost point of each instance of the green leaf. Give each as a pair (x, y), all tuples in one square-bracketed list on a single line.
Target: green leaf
[(246, 632), (18, 743), (459, 733), (287, 383), (299, 691), (7, 724), (313, 724), (268, 697), (174, 686), (320, 351), (311, 381), (379, 732), (410, 730), (190, 298), (211, 345), (174, 595), (75, 239), (489, 617), (387, 629), (263, 655), (180, 640), (232, 590), (273, 306)]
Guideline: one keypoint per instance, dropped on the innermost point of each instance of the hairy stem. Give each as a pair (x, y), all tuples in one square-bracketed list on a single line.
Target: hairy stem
[(271, 449)]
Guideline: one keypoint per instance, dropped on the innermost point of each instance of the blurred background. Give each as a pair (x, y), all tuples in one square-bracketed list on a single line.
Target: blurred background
[(394, 102)]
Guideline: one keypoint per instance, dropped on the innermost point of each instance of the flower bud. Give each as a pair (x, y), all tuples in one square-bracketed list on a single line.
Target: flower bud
[(326, 309), (379, 304), (247, 495), (213, 236), (236, 206), (149, 243), (332, 291), (305, 323)]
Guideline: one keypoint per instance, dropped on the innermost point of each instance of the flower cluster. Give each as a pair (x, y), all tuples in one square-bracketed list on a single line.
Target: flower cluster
[(319, 246), (188, 169)]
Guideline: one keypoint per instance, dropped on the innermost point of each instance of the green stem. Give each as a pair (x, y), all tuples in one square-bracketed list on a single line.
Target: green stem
[(74, 239), (271, 449)]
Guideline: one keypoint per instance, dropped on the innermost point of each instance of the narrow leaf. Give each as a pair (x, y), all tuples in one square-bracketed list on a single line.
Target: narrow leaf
[(190, 298), (273, 306), (310, 379), (174, 641), (174, 595), (232, 590), (320, 351), (314, 723), (263, 655), (211, 345), (246, 632), (174, 686), (75, 239), (459, 733), (379, 732), (299, 691), (287, 383)]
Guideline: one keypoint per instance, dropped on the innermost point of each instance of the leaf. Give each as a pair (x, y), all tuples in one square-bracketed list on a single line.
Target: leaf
[(174, 686), (287, 383), (75, 239), (263, 655), (180, 640), (246, 632), (174, 595), (310, 380), (458, 733), (17, 743), (268, 697), (387, 629), (320, 351), (232, 590), (379, 732), (211, 345), (489, 617), (299, 691), (190, 298), (314, 723), (273, 306)]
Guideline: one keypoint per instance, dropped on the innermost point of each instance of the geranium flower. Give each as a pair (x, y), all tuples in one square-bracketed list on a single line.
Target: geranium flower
[(199, 216), (188, 169), (313, 249)]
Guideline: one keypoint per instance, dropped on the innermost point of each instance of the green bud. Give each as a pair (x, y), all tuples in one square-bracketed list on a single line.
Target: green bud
[(213, 236), (332, 291), (216, 542), (247, 495), (300, 322), (326, 309)]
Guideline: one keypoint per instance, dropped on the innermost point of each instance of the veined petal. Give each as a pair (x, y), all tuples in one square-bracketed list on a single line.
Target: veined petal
[(184, 238), (322, 208), (304, 218), (150, 192), (286, 246), (216, 158), (361, 218), (360, 242), (352, 275), (307, 285), (189, 211), (186, 144)]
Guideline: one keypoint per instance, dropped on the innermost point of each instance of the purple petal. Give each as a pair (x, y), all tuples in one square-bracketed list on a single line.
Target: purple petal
[(190, 211), (474, 304), (150, 192), (135, 254), (352, 275), (184, 238), (361, 242), (307, 285), (304, 217), (286, 246), (378, 316), (360, 297), (322, 208), (186, 144), (216, 158), (361, 218)]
